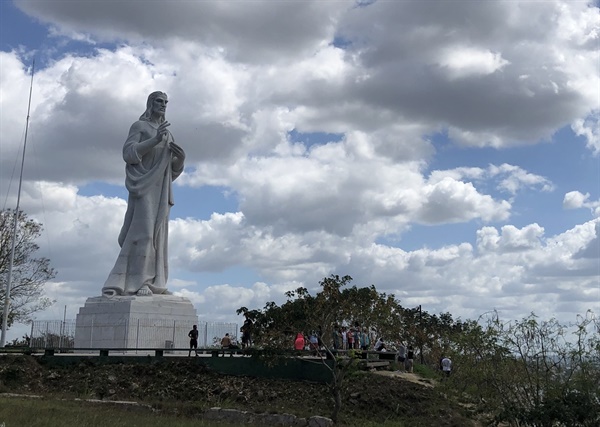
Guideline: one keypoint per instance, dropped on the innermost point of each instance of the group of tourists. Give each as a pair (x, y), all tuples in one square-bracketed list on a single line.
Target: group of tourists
[(349, 338), (343, 338), (227, 342)]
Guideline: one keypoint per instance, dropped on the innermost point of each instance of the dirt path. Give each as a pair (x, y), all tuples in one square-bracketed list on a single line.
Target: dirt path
[(407, 376)]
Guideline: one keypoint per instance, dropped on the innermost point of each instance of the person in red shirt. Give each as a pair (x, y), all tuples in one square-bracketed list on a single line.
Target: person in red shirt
[(299, 343)]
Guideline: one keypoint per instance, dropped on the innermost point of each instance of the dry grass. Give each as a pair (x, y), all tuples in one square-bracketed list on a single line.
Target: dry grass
[(29, 412)]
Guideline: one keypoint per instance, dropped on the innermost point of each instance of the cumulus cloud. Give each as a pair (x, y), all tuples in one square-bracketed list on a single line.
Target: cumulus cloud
[(490, 112), (510, 239), (263, 30), (592, 249), (451, 201), (510, 178), (589, 129), (506, 264), (462, 61), (514, 178), (533, 80), (576, 200)]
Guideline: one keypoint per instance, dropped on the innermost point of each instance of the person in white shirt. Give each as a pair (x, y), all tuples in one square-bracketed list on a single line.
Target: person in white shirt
[(401, 356), (446, 366), (344, 338), (379, 345)]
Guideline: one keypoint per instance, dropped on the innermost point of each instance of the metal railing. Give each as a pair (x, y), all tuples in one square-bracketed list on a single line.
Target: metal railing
[(136, 333)]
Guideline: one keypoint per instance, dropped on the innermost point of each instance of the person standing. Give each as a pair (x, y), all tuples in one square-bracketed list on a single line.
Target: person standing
[(193, 336), (357, 335), (246, 331), (226, 344), (446, 366), (299, 343), (313, 342), (337, 338), (401, 355), (410, 356), (350, 337), (365, 340)]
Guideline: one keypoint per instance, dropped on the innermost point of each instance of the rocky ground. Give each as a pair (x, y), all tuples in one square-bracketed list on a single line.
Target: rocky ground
[(183, 386)]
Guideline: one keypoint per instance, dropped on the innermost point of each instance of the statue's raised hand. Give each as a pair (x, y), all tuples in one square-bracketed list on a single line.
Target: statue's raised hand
[(162, 132)]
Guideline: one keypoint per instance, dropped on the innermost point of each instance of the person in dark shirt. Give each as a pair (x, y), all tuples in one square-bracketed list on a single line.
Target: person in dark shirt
[(246, 331), (193, 335), (410, 359)]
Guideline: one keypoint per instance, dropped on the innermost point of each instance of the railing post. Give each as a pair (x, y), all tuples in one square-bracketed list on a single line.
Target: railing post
[(126, 336), (46, 338), (31, 334), (137, 336), (174, 322), (61, 335), (205, 334)]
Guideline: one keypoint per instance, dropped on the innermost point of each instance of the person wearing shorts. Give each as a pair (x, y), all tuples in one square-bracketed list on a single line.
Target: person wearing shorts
[(193, 335)]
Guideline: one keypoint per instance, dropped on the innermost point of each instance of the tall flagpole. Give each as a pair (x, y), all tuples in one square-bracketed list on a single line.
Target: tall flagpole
[(16, 222)]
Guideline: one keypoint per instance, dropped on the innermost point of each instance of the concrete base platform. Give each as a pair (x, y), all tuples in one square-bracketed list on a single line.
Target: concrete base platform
[(156, 321)]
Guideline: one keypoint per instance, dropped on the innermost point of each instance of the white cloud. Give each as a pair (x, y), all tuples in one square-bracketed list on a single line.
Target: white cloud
[(514, 239), (451, 201), (482, 108), (589, 128), (246, 31), (515, 178), (511, 239), (463, 61), (576, 200), (512, 179), (506, 265), (592, 249)]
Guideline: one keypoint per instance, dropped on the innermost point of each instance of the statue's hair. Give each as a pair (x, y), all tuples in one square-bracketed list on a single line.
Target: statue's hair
[(147, 116)]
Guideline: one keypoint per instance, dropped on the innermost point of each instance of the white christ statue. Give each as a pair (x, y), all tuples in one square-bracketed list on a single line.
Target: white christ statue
[(153, 162)]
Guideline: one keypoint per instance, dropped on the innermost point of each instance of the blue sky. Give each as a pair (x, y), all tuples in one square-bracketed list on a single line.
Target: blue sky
[(447, 152)]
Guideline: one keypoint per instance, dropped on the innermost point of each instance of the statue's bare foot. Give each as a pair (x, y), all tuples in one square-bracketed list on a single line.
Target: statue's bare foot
[(109, 292), (144, 291)]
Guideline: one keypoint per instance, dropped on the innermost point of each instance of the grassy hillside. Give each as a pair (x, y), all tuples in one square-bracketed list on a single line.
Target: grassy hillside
[(178, 386)]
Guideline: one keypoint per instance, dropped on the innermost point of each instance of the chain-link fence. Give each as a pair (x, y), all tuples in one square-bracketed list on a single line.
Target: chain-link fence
[(52, 333), (132, 333)]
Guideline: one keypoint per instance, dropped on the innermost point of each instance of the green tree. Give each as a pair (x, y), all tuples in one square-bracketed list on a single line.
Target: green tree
[(335, 304), (276, 326), (29, 274), (531, 372)]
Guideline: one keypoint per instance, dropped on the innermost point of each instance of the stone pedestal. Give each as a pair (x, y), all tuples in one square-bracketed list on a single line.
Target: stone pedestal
[(157, 321)]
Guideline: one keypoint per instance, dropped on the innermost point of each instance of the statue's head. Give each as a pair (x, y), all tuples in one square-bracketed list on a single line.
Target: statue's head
[(150, 106)]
